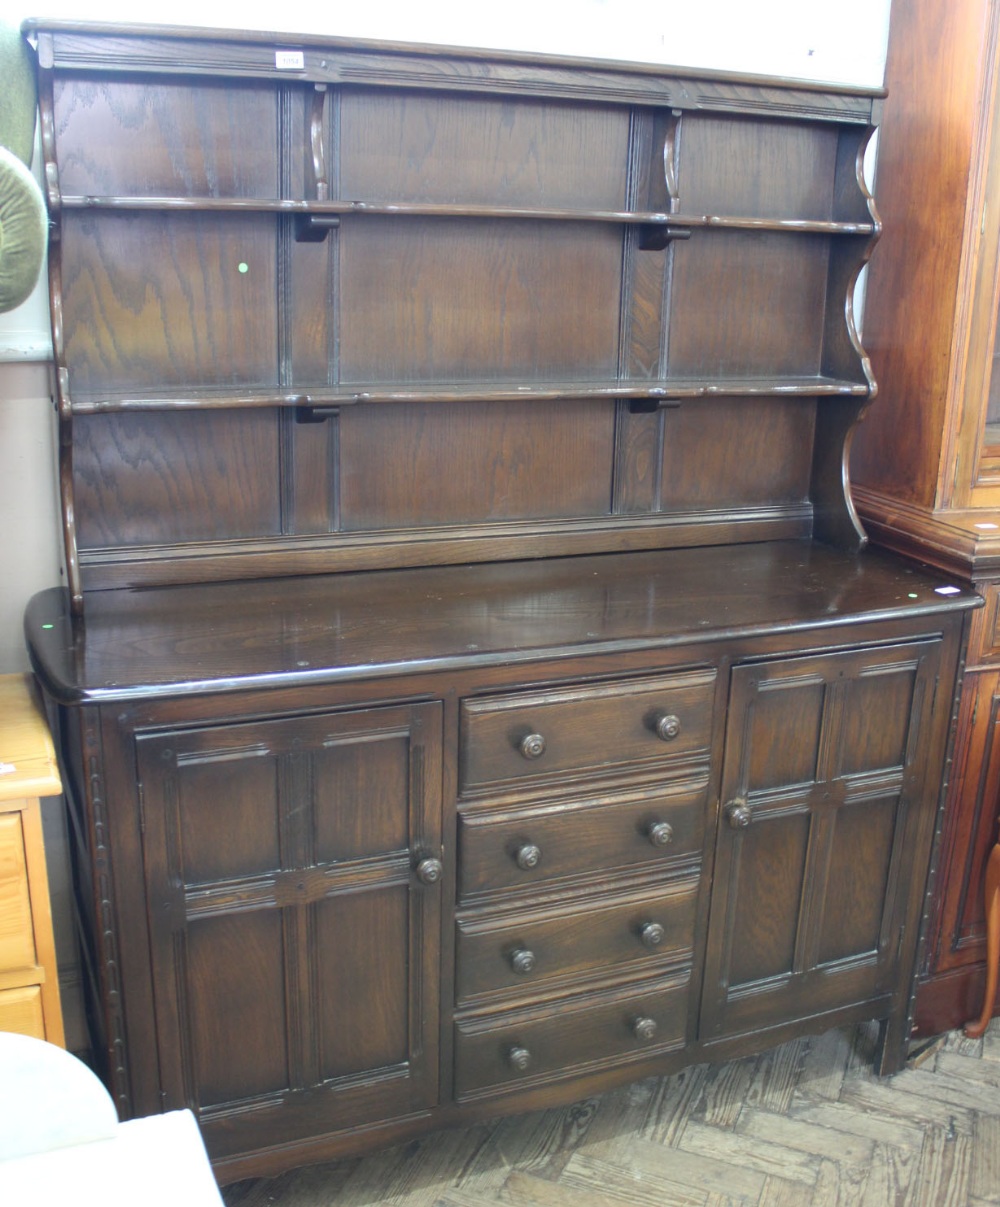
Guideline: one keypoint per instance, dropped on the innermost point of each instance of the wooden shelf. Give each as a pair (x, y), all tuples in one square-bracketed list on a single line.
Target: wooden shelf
[(400, 209), (660, 393)]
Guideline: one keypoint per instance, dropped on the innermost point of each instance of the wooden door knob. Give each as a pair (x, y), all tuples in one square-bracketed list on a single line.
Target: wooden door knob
[(519, 1058), (429, 871), (667, 726), (644, 1028), (528, 856), (660, 833), (532, 746), (522, 961), (739, 814)]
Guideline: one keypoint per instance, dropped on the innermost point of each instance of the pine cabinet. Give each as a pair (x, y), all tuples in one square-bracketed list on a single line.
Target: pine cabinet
[(473, 688), (29, 978), (925, 464)]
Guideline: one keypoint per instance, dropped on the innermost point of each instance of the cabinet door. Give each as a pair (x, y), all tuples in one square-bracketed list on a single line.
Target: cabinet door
[(823, 796), (294, 910)]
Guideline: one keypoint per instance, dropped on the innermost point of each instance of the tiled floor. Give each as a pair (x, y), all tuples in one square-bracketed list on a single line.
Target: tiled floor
[(806, 1124)]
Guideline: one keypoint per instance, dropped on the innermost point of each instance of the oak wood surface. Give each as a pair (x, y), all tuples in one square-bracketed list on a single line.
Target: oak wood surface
[(221, 637)]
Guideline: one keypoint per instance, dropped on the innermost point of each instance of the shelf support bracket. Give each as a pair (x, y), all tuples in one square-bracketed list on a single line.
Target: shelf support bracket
[(654, 236), (314, 228)]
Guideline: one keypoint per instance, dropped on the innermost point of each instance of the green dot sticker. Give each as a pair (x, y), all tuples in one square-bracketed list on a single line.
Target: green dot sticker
[(243, 267)]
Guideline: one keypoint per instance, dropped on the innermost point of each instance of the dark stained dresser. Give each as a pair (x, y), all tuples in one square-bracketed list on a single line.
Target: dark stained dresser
[(472, 688)]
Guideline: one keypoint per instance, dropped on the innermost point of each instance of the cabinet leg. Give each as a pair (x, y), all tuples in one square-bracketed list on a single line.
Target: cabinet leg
[(892, 1046), (973, 1030)]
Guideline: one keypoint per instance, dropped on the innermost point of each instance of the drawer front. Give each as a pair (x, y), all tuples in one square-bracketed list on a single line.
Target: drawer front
[(516, 850), (17, 938), (499, 953), (21, 1011), (510, 739), (568, 1037)]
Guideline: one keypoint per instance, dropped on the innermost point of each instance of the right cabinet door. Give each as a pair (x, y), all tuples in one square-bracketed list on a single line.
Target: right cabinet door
[(824, 814)]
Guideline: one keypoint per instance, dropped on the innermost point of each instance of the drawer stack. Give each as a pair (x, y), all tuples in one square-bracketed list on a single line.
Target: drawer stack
[(581, 829)]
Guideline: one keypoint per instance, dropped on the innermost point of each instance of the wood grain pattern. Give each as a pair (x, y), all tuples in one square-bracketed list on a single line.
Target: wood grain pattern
[(929, 132), (167, 138), (781, 170), (135, 315), (142, 479), (424, 148), (412, 464), (770, 324), (478, 301), (215, 637)]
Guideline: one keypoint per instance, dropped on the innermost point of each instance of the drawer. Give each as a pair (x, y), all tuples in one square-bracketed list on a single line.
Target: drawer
[(21, 1011), (17, 937), (509, 850), (503, 1052), (527, 735), (505, 952)]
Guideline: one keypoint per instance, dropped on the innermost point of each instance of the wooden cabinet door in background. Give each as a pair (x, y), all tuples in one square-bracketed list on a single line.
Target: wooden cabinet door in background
[(823, 765), (293, 872), (925, 464)]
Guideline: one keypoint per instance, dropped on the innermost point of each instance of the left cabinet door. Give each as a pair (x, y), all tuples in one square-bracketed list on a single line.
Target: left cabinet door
[(293, 875)]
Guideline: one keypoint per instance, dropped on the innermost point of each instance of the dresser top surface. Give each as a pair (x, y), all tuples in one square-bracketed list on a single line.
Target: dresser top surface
[(166, 641)]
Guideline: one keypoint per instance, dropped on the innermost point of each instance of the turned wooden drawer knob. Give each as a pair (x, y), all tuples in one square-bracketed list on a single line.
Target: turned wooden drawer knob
[(528, 856), (660, 833), (519, 1059), (667, 726), (532, 746), (522, 961), (644, 1029), (429, 871), (738, 814), (652, 934)]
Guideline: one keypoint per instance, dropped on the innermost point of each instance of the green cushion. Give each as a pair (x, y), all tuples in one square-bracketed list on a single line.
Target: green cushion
[(23, 231), (18, 93)]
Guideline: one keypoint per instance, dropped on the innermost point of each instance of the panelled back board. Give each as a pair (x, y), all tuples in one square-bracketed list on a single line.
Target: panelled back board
[(368, 305)]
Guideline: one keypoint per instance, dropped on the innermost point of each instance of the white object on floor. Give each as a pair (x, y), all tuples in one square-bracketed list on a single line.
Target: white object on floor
[(61, 1142)]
